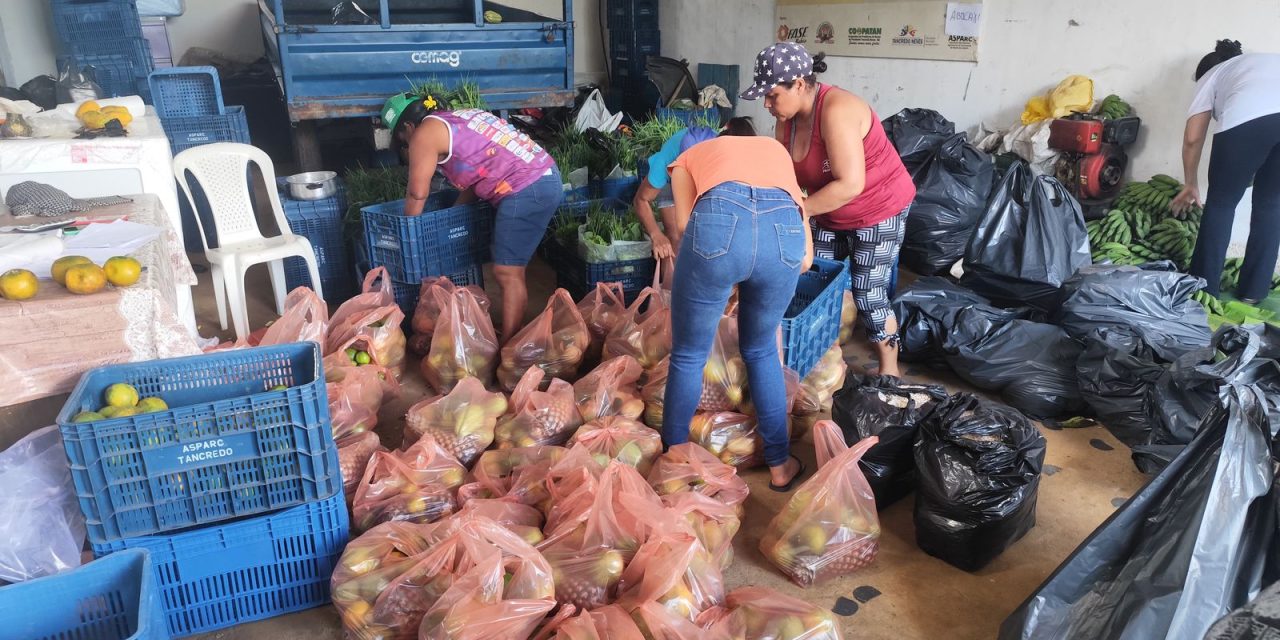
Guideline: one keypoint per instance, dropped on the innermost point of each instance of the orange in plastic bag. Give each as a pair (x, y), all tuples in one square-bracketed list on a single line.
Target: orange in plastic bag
[(724, 378), (823, 381), (829, 526), (462, 422), (428, 310), (415, 485), (645, 330), (356, 395), (390, 577), (622, 439), (478, 606), (555, 342), (606, 623), (731, 437), (654, 393), (660, 623), (354, 453), (521, 519), (602, 309), (538, 417), (714, 523), (464, 343), (610, 390), (674, 571), (759, 612), (689, 467), (519, 474), (305, 319)]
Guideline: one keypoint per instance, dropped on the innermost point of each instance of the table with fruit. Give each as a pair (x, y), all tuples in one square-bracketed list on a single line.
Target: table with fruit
[(88, 315)]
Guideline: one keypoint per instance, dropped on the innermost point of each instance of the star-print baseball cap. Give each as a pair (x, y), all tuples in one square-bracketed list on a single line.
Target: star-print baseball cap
[(782, 62)]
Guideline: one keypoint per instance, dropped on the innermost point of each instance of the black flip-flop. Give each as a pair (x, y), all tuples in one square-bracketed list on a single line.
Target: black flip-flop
[(784, 488)]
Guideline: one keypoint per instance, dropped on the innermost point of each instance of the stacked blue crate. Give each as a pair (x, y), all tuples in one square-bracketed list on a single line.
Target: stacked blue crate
[(235, 489), (105, 35), (321, 223), (633, 37)]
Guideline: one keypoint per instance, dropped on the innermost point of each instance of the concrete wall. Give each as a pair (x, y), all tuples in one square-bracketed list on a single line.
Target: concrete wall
[(1143, 50), (231, 27)]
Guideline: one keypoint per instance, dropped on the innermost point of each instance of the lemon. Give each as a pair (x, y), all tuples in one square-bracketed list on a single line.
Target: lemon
[(152, 405), (493, 17), (121, 395), (126, 412), (18, 284), (108, 411), (60, 266), (87, 416), (122, 271)]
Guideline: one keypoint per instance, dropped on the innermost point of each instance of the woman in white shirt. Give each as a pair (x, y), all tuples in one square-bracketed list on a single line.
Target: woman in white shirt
[(1242, 92)]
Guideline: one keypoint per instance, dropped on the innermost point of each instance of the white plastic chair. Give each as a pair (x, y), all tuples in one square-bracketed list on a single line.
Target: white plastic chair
[(222, 171)]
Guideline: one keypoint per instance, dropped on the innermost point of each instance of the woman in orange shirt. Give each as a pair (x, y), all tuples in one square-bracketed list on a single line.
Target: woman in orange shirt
[(738, 211)]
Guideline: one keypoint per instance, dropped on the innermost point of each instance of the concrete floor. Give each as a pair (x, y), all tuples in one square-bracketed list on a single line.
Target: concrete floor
[(1088, 474)]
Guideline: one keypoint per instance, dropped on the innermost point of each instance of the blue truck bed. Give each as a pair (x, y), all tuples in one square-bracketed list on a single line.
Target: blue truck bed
[(348, 70)]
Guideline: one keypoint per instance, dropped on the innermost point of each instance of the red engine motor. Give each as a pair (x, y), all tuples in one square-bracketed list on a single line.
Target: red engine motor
[(1093, 161)]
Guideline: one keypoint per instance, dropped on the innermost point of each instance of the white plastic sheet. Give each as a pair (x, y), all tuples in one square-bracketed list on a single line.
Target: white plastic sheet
[(42, 528)]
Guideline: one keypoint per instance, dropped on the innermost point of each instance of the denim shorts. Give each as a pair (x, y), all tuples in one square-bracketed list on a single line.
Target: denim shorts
[(522, 218)]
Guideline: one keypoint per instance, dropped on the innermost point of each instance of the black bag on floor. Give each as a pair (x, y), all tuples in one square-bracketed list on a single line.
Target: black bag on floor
[(1187, 548), (979, 473), (891, 409), (1032, 365), (1116, 372), (915, 133), (1030, 239), (952, 187), (927, 310), (1258, 620), (1155, 303)]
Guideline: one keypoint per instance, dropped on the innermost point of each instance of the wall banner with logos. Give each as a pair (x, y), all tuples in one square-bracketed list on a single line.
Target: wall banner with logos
[(916, 29)]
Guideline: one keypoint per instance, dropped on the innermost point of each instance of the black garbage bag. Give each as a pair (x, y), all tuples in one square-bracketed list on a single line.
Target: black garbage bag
[(1258, 620), (1154, 301), (979, 473), (1116, 372), (12, 93), (891, 409), (1031, 364), (42, 91), (915, 133), (1029, 240), (926, 311), (1189, 547), (952, 186), (1191, 386)]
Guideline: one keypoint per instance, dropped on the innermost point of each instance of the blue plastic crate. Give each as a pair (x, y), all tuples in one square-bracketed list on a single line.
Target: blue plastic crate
[(577, 276), (444, 239), (84, 23), (812, 322), (640, 15), (256, 568), (321, 223), (691, 117), (228, 446), (635, 45), (185, 133), (621, 189), (628, 72), (115, 598), (186, 92)]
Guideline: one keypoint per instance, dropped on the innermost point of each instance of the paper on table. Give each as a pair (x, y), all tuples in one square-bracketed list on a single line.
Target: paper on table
[(24, 251), (120, 236)]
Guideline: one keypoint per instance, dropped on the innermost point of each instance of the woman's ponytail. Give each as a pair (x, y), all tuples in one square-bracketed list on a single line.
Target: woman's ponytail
[(1224, 50)]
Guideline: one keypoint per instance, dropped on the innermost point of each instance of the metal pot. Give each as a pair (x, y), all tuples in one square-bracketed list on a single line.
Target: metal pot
[(316, 185)]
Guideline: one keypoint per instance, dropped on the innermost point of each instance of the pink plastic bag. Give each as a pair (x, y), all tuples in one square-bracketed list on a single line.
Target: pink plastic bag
[(521, 519), (416, 485), (654, 393), (354, 453), (378, 291), (645, 330), (674, 571), (823, 381), (390, 577), (464, 344), (356, 395), (830, 526), (428, 310), (759, 612), (714, 523), (519, 474), (536, 417), (369, 323), (622, 439), (731, 437), (657, 622), (555, 342), (689, 467), (606, 623), (610, 390), (305, 319), (461, 422), (478, 607), (724, 379), (602, 309)]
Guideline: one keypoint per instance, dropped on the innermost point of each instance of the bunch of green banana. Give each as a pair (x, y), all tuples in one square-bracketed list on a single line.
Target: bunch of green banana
[(1231, 274), (1211, 304), (1173, 239), (1113, 228), (1113, 107), (1115, 253), (1153, 197), (1140, 222)]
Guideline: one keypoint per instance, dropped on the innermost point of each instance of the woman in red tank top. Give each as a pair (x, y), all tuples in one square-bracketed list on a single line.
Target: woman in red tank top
[(859, 192)]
